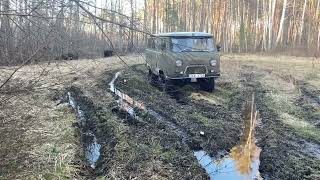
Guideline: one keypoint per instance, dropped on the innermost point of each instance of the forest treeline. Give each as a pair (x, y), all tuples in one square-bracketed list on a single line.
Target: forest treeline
[(243, 25), (33, 30)]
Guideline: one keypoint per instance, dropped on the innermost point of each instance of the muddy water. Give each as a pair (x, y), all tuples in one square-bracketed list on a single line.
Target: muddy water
[(243, 160), (89, 140), (92, 149), (125, 102)]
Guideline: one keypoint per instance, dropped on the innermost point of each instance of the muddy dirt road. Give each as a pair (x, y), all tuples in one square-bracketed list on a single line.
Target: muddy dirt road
[(262, 121)]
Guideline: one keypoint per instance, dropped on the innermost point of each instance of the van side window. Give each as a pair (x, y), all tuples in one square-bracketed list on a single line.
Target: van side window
[(159, 42), (151, 43)]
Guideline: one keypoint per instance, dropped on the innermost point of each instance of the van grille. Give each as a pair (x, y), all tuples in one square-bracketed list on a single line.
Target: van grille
[(196, 70)]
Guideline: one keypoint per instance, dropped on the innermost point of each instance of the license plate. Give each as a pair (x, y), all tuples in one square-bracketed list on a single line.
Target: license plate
[(197, 75)]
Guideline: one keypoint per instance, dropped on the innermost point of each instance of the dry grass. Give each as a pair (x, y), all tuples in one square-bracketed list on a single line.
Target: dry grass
[(281, 76), (37, 138), (300, 68)]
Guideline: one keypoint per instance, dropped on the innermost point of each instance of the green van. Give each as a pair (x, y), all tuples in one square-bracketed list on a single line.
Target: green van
[(184, 57)]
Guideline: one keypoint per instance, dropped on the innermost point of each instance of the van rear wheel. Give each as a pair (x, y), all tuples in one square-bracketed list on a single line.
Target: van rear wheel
[(207, 84)]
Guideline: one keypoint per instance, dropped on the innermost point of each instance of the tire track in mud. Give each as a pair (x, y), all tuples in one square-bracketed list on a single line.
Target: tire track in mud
[(217, 139), (309, 99), (227, 121), (282, 156), (91, 138), (141, 139), (305, 88)]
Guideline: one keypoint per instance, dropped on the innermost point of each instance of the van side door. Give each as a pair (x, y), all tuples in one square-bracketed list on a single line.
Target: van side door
[(150, 52), (161, 47)]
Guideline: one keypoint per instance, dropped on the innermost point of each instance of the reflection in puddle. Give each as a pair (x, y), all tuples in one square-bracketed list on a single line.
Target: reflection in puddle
[(89, 140), (243, 160)]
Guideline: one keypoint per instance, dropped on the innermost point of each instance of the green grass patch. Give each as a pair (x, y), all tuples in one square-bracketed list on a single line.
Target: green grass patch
[(301, 126), (293, 116), (204, 120)]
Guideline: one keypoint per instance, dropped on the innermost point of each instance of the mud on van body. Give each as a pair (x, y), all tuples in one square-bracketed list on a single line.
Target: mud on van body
[(184, 57)]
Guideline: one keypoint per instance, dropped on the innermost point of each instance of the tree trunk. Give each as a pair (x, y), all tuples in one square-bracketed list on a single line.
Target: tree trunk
[(302, 22), (265, 26), (145, 20), (279, 38), (154, 17), (194, 15), (272, 6), (257, 26), (319, 38), (131, 26), (6, 38), (202, 18)]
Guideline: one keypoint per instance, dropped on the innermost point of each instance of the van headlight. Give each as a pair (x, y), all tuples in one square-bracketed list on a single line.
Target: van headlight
[(213, 62), (178, 63)]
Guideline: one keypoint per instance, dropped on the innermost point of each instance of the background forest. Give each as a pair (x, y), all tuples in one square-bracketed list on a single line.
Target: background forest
[(37, 30)]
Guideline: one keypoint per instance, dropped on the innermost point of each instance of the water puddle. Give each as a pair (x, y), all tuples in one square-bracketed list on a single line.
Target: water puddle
[(92, 149), (243, 160), (125, 102), (89, 140), (311, 149)]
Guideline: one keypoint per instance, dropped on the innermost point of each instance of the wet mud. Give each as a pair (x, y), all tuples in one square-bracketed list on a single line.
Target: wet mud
[(193, 118), (243, 160), (87, 130), (282, 155), (88, 138), (183, 119), (115, 147), (145, 132)]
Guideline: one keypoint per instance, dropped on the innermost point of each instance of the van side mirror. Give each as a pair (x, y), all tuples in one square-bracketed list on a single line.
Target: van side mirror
[(218, 48)]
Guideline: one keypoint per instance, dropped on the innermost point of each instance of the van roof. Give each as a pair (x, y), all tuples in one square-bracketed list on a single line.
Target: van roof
[(183, 34)]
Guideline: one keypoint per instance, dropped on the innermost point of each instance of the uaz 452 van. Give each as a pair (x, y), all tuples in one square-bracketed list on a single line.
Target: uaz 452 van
[(184, 57)]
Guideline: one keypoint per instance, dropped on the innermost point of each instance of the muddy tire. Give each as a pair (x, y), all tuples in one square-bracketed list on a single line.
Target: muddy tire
[(207, 84), (169, 86), (152, 78), (166, 85), (179, 83)]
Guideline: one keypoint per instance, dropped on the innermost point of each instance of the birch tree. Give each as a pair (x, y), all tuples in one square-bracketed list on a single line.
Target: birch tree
[(302, 22), (279, 37)]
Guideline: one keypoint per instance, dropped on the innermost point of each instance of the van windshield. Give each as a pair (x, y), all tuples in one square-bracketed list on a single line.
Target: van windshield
[(187, 44)]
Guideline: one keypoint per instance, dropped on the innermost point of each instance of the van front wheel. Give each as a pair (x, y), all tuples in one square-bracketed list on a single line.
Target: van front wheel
[(207, 84), (152, 78)]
